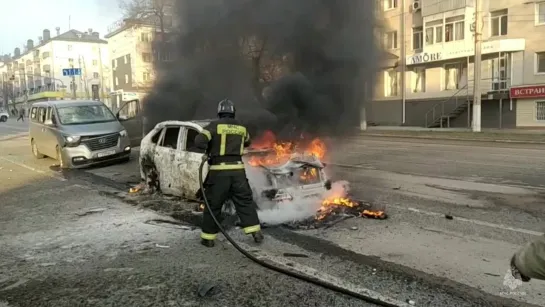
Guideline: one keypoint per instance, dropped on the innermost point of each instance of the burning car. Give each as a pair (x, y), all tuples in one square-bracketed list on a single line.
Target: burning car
[(280, 173), (169, 162)]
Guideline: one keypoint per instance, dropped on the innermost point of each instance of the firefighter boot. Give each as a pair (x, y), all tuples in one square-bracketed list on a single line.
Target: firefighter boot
[(258, 236), (207, 243)]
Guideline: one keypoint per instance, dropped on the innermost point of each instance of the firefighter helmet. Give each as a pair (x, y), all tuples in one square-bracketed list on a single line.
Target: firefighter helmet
[(226, 107)]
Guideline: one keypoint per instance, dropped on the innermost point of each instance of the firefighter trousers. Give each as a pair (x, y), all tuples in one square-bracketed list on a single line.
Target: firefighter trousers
[(221, 185)]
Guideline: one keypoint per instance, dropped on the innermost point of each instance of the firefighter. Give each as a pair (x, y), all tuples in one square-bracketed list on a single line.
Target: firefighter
[(224, 140), (529, 261)]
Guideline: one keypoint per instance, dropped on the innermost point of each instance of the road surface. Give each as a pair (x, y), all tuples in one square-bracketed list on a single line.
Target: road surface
[(72, 238), (13, 127)]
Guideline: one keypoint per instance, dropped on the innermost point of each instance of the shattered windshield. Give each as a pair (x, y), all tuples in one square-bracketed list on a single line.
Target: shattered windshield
[(77, 115)]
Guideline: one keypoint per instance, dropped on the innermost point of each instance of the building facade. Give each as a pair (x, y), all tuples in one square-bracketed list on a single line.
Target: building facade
[(432, 83), (38, 71), (135, 57)]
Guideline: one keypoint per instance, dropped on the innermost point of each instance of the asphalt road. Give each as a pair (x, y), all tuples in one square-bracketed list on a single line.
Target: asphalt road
[(13, 127), (58, 251)]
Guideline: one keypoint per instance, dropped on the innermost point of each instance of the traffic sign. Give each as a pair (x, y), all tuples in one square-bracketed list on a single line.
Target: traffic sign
[(71, 72)]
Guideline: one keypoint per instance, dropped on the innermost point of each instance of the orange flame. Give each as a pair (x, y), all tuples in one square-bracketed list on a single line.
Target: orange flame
[(283, 151), (330, 204)]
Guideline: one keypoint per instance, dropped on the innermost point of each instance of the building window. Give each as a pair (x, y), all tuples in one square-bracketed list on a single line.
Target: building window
[(498, 72), (126, 59), (540, 62), (69, 47), (455, 76), (95, 75), (540, 110), (146, 76), (390, 4), (434, 32), (417, 38), (146, 57), (454, 28), (145, 37), (498, 23), (126, 78), (95, 62), (540, 13), (116, 81), (418, 79), (390, 40), (391, 86)]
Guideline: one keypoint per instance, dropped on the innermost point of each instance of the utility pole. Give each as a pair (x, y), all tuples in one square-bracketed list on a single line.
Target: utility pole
[(101, 72), (477, 66), (74, 96), (403, 60)]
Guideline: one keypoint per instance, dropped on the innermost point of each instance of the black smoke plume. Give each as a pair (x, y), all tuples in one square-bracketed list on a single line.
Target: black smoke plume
[(289, 65)]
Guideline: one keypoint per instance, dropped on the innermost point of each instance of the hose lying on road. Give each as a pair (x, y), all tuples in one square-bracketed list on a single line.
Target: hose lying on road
[(282, 270)]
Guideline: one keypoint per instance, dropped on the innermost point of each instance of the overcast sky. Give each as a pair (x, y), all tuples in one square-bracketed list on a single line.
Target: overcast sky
[(26, 19)]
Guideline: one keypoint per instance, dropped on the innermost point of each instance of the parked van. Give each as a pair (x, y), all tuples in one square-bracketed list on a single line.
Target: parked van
[(77, 133)]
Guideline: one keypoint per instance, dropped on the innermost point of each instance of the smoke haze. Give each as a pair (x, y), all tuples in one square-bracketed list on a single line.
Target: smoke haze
[(287, 64)]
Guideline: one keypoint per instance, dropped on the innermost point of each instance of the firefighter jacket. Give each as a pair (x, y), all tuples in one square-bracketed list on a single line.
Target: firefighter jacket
[(530, 260), (224, 141)]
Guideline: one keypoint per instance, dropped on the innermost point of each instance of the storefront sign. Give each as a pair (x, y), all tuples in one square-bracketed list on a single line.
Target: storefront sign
[(424, 58), (530, 91)]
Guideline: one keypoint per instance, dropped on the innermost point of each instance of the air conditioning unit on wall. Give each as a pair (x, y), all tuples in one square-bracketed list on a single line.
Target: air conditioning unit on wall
[(416, 6)]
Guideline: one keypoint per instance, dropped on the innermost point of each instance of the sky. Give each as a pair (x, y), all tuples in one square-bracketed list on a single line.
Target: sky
[(28, 18)]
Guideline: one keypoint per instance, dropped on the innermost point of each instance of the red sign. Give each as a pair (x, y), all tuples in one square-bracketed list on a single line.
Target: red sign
[(530, 91)]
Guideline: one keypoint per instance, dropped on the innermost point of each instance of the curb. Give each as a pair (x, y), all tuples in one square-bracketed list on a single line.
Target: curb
[(451, 138)]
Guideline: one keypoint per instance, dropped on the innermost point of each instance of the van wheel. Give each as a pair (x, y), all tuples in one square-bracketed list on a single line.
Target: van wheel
[(4, 118), (59, 157), (35, 150)]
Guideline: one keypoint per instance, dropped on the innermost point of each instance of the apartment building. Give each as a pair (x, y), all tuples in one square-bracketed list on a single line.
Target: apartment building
[(134, 57), (432, 83), (37, 72)]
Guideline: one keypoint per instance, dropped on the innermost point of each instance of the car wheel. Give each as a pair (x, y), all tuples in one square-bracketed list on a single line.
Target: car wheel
[(3, 119), (59, 157), (35, 150)]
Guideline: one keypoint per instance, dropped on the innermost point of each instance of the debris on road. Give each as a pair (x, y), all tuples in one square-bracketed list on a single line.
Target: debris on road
[(161, 246), (207, 289), (170, 224), (295, 255), (137, 188), (449, 217), (92, 211)]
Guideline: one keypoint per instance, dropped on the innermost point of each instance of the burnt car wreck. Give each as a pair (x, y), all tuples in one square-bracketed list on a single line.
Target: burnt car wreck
[(279, 173)]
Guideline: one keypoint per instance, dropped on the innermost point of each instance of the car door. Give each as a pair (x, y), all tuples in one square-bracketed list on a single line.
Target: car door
[(50, 140), (164, 159), (131, 117), (188, 160)]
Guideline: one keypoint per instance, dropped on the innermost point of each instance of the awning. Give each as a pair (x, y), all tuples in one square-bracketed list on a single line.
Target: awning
[(388, 60)]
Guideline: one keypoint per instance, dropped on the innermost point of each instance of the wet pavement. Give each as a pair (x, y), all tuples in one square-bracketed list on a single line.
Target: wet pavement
[(70, 242)]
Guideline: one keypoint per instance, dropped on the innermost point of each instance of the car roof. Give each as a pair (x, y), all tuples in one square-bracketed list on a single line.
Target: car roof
[(69, 103), (202, 122)]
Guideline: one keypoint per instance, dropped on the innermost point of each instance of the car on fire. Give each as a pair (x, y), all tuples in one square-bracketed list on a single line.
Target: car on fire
[(169, 161)]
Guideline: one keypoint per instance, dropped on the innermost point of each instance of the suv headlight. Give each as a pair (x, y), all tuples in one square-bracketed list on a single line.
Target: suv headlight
[(72, 140), (123, 133)]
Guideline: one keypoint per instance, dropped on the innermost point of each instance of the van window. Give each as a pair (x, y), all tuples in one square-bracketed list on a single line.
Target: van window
[(155, 138), (41, 114), (33, 113), (170, 139), (48, 113)]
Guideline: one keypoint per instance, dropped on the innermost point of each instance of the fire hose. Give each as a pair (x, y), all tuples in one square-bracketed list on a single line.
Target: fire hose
[(287, 272)]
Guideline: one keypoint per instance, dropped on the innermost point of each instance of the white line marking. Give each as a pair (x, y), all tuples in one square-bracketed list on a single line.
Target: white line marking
[(320, 275), (477, 222), (33, 169)]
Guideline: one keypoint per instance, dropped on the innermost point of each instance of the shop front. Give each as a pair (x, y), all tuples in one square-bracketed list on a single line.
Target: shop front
[(530, 105)]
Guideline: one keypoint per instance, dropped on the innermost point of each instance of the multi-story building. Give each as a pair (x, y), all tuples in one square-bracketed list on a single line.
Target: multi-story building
[(432, 83), (38, 72), (134, 55)]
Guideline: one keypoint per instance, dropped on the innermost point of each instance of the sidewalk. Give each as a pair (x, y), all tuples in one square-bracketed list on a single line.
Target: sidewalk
[(487, 135)]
